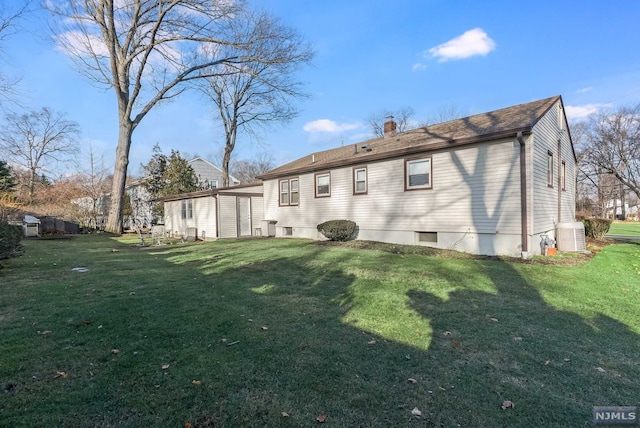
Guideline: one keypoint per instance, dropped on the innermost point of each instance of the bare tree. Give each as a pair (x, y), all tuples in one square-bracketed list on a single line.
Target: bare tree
[(445, 113), (403, 118), (613, 146), (254, 95), (37, 139), (95, 182), (246, 170), (9, 16), (147, 50)]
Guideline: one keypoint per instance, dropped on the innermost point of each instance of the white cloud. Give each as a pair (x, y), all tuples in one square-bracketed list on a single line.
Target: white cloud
[(329, 126), (418, 67), (581, 112), (471, 43), (583, 90)]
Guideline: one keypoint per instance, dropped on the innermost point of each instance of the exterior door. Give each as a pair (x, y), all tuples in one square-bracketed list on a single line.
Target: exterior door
[(244, 216)]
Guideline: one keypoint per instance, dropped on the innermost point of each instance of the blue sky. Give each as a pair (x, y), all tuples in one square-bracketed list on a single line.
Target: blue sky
[(374, 55)]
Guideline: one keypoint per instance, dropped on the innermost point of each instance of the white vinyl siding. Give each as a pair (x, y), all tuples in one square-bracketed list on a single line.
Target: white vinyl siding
[(543, 200), (478, 190), (203, 217)]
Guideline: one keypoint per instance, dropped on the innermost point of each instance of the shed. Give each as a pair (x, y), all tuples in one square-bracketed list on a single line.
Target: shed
[(31, 226)]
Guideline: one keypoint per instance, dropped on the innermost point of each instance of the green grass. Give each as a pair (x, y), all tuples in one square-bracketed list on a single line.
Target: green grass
[(625, 228), (344, 330)]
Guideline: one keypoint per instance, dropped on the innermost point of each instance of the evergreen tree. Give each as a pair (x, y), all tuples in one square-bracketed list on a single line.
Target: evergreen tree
[(7, 179)]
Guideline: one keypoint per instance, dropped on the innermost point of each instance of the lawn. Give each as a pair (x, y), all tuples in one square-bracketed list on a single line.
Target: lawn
[(279, 332), (625, 228)]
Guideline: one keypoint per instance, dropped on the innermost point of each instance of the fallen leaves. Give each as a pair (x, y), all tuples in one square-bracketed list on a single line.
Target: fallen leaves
[(285, 415), (371, 342), (322, 419), (412, 380), (195, 382), (264, 328), (59, 374), (508, 405), (45, 332), (416, 412), (165, 366), (115, 351), (600, 369)]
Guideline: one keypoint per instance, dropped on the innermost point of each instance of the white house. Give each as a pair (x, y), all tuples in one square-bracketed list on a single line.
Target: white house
[(490, 184), (228, 212), (209, 177)]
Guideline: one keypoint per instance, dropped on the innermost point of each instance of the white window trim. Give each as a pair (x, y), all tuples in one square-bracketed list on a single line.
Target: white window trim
[(317, 176), (355, 181), (408, 162)]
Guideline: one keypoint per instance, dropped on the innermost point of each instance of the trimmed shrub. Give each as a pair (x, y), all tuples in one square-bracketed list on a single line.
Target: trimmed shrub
[(596, 227), (337, 230), (10, 237)]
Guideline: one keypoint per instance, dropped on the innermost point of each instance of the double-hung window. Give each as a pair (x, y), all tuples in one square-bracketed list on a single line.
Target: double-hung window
[(323, 185), (289, 192), (186, 209), (418, 174), (359, 180), (549, 169), (563, 177)]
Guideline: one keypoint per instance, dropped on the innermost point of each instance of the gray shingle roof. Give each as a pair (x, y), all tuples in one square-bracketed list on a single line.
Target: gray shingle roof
[(480, 127)]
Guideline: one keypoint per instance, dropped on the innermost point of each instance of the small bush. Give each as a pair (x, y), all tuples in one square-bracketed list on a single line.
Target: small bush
[(337, 230), (596, 227), (10, 237)]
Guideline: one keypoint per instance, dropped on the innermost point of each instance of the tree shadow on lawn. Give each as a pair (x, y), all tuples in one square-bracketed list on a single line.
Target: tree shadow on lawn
[(270, 337), (485, 348), (511, 345)]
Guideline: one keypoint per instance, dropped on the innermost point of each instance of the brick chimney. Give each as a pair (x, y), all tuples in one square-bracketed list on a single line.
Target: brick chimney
[(390, 128)]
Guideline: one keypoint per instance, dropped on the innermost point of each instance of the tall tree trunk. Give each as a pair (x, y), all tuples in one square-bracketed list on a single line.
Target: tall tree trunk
[(225, 165), (114, 221), (32, 184)]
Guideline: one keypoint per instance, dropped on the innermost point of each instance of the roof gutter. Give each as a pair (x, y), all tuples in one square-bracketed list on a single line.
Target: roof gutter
[(523, 196)]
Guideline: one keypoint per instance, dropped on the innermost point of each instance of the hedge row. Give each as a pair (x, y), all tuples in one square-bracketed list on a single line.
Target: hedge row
[(10, 237)]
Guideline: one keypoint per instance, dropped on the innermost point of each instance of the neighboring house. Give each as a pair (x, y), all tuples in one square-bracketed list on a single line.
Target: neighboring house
[(229, 212), (209, 175), (629, 212), (490, 184)]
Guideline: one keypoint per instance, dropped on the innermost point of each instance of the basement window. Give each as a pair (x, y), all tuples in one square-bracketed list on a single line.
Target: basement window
[(287, 231), (427, 238)]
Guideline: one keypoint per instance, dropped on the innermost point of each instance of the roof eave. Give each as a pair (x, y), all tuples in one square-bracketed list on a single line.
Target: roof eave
[(407, 151)]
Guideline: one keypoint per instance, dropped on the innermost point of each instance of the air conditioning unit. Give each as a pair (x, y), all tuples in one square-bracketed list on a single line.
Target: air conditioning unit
[(570, 236)]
